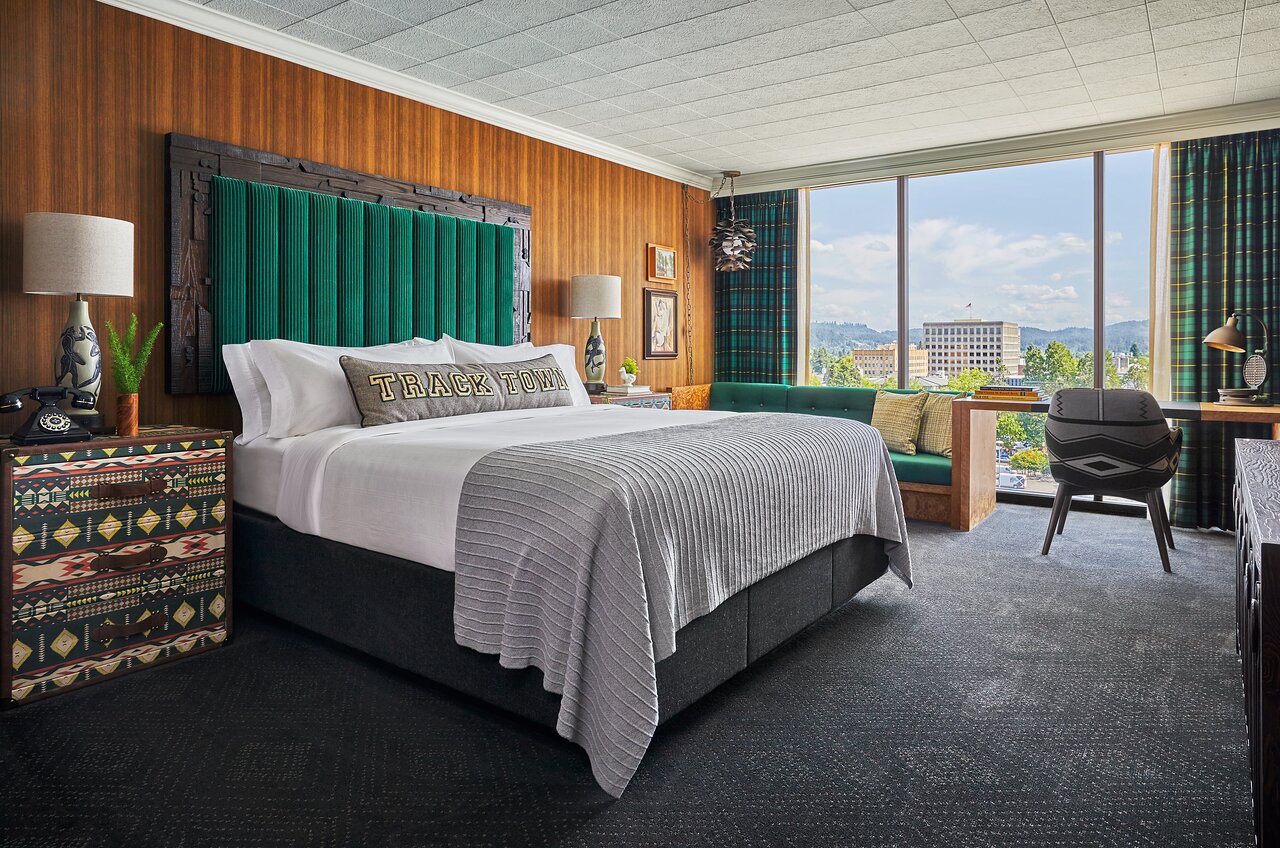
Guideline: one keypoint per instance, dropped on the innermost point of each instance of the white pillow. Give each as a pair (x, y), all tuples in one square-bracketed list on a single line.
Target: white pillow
[(309, 390), (467, 353), (251, 391)]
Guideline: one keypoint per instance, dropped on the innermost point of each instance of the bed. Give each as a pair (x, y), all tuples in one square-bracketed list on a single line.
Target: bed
[(593, 568)]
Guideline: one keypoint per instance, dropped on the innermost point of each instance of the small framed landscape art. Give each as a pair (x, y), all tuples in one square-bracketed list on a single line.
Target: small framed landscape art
[(661, 324), (662, 264)]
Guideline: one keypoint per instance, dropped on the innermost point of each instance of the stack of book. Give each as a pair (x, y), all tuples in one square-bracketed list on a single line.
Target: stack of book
[(1027, 393), (627, 390)]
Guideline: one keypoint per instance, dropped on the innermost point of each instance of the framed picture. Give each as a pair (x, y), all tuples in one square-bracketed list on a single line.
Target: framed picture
[(662, 264), (661, 324)]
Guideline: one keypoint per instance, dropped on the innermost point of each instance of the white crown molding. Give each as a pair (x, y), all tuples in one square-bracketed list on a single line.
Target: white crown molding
[(242, 33), (1202, 123)]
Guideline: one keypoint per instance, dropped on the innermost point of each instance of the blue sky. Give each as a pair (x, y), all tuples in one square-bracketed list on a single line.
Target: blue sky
[(1017, 242)]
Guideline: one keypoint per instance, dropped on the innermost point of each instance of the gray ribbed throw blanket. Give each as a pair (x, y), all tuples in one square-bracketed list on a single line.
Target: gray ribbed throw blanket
[(583, 558)]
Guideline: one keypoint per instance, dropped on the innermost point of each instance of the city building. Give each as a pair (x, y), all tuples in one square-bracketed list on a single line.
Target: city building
[(956, 346), (881, 363)]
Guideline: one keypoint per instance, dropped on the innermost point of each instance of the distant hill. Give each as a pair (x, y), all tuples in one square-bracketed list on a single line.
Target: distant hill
[(841, 338)]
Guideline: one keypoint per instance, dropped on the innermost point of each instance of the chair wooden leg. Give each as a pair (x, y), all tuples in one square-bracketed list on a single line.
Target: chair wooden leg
[(1066, 507), (1164, 517), (1059, 500), (1157, 522)]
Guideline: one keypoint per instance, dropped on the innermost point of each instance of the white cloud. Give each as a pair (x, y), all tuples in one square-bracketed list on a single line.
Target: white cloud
[(816, 246)]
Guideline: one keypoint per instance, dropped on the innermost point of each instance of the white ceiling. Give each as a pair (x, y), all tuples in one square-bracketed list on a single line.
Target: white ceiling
[(759, 85)]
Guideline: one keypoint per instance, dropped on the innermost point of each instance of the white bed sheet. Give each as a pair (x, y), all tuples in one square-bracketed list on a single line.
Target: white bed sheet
[(395, 488), (258, 464)]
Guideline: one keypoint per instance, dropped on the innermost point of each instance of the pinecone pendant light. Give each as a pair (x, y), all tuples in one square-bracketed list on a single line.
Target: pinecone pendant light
[(732, 240)]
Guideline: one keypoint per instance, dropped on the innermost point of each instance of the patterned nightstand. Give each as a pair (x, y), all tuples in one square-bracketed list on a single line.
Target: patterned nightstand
[(653, 400), (116, 556)]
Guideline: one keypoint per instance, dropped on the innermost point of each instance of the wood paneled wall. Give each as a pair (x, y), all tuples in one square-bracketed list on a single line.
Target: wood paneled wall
[(87, 92)]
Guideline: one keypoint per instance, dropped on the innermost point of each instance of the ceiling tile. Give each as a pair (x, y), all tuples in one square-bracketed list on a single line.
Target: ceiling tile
[(1201, 52), (481, 90), (1104, 26), (432, 74), (1256, 63), (840, 31), (521, 82), (563, 69), (730, 26), (1257, 42), (520, 49), (358, 20), (1046, 82), (898, 15), (382, 57), (255, 12), (518, 14), (596, 110), (972, 7), (1200, 73), (615, 55), (1118, 87), (1024, 43), (1261, 18), (468, 28), (1197, 91), (627, 17), (1129, 66), (995, 108), (304, 8), (1026, 66), (1031, 14), (322, 35), (1062, 97), (473, 63), (1207, 29), (1069, 10), (1112, 48), (607, 86), (1266, 81), (1170, 12), (981, 93), (655, 74), (413, 11), (627, 123), (932, 37), (419, 43), (571, 33), (557, 97)]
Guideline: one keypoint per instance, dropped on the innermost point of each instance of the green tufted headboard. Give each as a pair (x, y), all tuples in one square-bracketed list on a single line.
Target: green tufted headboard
[(265, 246), (316, 268)]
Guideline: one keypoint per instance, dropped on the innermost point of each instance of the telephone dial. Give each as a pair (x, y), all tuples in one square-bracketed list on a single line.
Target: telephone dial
[(48, 425)]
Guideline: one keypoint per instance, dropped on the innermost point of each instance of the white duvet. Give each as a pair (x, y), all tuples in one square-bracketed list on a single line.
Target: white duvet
[(395, 488)]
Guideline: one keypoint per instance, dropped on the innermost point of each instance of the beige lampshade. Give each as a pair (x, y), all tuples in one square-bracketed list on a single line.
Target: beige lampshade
[(1228, 337), (76, 254), (595, 296)]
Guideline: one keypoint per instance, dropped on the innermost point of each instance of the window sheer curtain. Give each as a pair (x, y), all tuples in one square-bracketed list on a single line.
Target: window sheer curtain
[(1224, 254), (756, 309), (1160, 333)]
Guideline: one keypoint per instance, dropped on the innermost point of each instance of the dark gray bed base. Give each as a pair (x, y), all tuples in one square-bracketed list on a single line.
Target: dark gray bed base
[(402, 612)]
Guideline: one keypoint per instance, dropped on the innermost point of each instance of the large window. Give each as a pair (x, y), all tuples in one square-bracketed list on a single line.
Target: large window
[(1000, 286)]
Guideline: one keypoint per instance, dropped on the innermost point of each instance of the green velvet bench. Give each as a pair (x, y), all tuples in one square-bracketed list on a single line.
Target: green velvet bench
[(930, 484)]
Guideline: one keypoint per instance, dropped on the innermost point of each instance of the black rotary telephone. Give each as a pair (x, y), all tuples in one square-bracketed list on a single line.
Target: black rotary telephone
[(48, 425)]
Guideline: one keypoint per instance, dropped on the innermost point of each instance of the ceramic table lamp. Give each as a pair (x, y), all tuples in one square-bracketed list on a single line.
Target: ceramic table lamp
[(595, 296), (77, 255)]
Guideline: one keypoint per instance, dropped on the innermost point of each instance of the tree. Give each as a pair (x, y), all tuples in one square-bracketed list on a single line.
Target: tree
[(1134, 353), (1139, 374), (1031, 459), (843, 373), (1009, 429), (1033, 425), (821, 360), (968, 381), (1035, 371)]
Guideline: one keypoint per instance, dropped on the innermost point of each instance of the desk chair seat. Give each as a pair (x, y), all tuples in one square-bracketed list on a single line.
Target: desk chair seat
[(1111, 442)]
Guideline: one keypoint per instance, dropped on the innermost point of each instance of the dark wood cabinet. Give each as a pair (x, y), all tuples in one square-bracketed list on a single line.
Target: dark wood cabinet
[(115, 557), (1258, 623)]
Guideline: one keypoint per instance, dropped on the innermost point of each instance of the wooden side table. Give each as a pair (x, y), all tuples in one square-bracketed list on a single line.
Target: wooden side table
[(115, 556), (652, 400)]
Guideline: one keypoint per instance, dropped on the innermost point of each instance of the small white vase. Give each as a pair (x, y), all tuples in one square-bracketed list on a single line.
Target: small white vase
[(627, 378)]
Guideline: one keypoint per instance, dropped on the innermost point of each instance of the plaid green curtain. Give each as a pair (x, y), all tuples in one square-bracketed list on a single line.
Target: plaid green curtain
[(1225, 255), (756, 309)]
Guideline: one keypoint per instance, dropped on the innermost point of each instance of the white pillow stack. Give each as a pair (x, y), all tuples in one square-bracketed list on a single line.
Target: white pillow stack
[(468, 353), (289, 388)]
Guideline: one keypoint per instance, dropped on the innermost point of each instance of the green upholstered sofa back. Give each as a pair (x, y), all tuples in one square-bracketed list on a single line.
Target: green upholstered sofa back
[(855, 403)]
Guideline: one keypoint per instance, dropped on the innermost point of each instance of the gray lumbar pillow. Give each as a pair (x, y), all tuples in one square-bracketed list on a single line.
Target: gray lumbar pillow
[(387, 392)]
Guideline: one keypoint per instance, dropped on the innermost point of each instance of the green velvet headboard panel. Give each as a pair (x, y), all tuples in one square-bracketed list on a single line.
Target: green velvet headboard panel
[(311, 267)]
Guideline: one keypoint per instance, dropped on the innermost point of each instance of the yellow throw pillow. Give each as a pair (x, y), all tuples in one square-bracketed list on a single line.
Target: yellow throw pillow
[(897, 417), (935, 425)]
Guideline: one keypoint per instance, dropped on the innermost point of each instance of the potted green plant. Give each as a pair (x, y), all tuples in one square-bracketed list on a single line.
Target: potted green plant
[(128, 365), (628, 371)]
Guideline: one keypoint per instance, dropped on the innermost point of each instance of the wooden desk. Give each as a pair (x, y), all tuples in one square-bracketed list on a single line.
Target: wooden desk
[(973, 422)]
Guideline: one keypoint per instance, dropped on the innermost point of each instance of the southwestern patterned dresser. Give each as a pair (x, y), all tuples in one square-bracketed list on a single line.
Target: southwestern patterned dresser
[(116, 556)]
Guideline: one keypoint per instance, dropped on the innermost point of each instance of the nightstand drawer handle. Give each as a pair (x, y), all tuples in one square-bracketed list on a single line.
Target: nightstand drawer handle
[(107, 632), (132, 489), (123, 562)]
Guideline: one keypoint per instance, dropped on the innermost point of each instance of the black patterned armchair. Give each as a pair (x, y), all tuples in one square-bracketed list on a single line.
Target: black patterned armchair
[(1111, 442)]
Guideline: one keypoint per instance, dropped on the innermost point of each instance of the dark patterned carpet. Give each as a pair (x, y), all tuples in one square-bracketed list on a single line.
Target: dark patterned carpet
[(1084, 699)]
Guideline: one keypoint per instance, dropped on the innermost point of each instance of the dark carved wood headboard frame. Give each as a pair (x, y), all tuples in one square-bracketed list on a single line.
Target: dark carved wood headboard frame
[(192, 162)]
